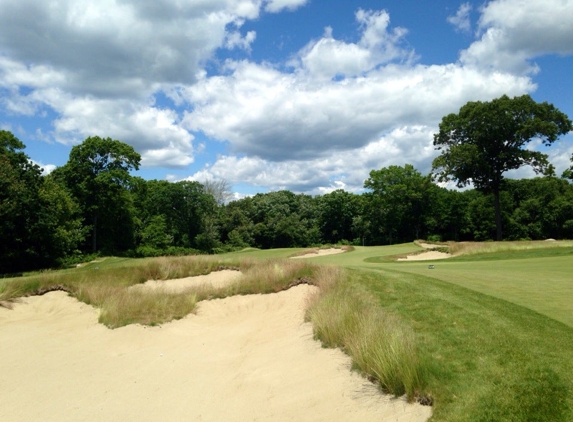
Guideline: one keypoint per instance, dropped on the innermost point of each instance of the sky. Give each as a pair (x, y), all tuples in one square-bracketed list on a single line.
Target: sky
[(304, 95)]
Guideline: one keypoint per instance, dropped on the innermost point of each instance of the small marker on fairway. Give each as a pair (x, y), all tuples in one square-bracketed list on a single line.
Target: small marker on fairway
[(431, 267)]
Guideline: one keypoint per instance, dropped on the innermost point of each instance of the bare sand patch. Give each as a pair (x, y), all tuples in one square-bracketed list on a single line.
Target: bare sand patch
[(426, 256), (427, 245), (312, 253), (217, 279), (244, 358)]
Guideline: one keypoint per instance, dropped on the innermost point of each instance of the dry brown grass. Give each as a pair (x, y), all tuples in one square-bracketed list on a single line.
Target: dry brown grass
[(380, 344), (473, 248)]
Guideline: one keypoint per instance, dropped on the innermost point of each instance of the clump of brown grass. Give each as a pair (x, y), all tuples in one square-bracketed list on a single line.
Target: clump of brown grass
[(272, 276), (128, 306)]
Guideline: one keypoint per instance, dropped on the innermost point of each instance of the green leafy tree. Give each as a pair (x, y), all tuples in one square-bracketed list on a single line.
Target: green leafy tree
[(337, 211), (398, 201), (98, 175), (20, 181), (39, 221), (486, 139), (568, 173)]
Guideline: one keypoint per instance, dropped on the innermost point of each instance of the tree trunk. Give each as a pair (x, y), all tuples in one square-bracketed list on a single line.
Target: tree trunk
[(497, 214)]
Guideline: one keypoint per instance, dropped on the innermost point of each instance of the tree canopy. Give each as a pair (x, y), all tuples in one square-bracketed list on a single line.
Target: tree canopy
[(97, 172), (486, 139)]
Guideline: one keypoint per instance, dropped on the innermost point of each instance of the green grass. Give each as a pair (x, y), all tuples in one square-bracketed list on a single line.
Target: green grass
[(488, 334), (542, 284), (494, 328), (483, 358)]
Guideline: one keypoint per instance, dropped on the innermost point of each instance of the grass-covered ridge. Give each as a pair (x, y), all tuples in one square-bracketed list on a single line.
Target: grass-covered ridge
[(105, 285)]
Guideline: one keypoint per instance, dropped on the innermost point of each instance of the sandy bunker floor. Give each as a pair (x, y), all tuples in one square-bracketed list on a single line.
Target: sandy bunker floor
[(426, 256), (319, 252), (246, 358), (215, 279)]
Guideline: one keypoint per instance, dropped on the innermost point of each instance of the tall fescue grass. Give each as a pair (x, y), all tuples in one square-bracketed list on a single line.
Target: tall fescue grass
[(381, 346), (474, 248), (273, 276), (107, 288)]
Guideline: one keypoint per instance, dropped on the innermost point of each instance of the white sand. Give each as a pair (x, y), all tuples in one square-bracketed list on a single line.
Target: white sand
[(216, 279), (245, 358), (428, 245), (426, 256), (319, 252)]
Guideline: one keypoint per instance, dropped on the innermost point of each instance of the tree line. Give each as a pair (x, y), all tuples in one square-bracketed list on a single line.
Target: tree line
[(95, 205)]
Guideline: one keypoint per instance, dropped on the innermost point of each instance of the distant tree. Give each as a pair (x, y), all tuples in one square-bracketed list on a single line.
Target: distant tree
[(486, 139), (98, 175), (337, 210), (219, 189), (398, 201)]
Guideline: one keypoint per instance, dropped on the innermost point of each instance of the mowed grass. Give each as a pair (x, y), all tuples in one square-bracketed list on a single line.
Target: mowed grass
[(494, 328), (483, 359), (542, 284)]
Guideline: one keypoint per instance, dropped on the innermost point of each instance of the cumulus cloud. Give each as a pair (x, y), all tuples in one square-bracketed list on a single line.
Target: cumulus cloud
[(336, 110), (155, 133), (236, 40), (277, 116), (46, 168), (515, 31), (275, 6), (461, 20), (319, 175), (98, 65), (329, 58)]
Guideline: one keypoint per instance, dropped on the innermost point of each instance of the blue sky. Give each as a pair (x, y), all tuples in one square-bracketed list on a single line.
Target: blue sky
[(306, 95)]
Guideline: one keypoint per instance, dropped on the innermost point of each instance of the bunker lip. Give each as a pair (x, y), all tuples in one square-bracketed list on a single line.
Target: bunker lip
[(240, 358)]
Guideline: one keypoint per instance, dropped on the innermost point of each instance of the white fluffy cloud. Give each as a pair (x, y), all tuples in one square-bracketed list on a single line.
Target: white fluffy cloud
[(97, 65), (461, 20), (319, 175), (275, 6), (339, 109), (328, 57), (280, 116), (515, 31)]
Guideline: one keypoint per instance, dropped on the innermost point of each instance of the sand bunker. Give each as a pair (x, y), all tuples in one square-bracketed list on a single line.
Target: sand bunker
[(216, 279), (426, 256), (245, 358), (319, 252), (428, 245)]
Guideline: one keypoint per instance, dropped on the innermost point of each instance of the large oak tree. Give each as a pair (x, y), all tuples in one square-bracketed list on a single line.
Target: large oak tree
[(486, 139)]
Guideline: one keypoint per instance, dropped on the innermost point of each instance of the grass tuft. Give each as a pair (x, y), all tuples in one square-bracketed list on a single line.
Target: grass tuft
[(380, 344)]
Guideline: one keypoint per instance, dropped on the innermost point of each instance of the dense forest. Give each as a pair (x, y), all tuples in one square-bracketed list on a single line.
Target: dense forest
[(95, 205)]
